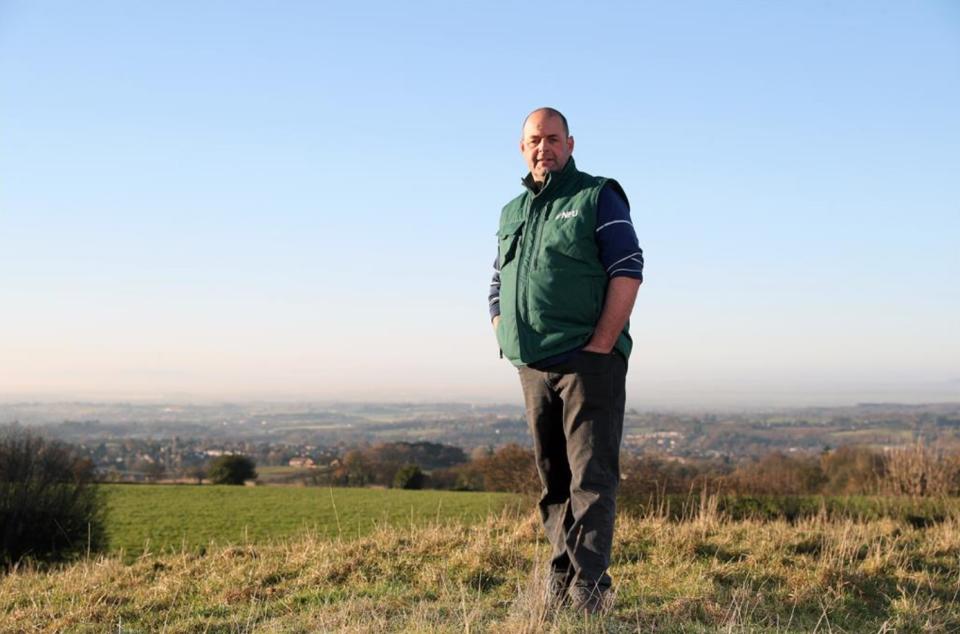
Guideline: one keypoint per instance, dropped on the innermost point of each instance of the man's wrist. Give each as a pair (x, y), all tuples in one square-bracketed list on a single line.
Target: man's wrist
[(599, 346)]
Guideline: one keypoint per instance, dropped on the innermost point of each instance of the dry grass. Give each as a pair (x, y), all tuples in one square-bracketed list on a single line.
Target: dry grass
[(703, 575)]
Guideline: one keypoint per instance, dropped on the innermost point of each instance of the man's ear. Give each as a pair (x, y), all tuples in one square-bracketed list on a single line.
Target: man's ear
[(521, 146), (570, 144)]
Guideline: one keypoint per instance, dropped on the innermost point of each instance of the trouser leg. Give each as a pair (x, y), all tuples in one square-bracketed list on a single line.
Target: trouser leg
[(544, 410), (593, 397)]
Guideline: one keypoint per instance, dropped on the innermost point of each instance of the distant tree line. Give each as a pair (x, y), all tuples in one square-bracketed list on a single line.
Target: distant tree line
[(433, 465), (917, 470)]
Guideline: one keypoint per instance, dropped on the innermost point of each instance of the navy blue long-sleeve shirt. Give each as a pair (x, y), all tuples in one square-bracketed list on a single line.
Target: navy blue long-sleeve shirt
[(618, 247)]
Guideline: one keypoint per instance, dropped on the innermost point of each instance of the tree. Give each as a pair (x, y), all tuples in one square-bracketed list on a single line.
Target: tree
[(197, 473), (852, 470), (153, 471), (919, 470), (409, 476), (354, 469), (778, 473), (49, 508), (509, 468), (232, 469)]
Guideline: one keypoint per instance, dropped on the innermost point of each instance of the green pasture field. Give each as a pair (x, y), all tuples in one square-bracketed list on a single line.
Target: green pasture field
[(171, 518)]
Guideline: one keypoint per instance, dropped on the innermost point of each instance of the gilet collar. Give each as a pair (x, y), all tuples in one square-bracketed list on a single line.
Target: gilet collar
[(554, 179)]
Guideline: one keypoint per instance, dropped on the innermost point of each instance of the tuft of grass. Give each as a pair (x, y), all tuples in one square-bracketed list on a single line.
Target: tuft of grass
[(707, 574)]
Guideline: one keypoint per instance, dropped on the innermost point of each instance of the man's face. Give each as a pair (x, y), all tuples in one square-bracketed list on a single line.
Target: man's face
[(545, 145)]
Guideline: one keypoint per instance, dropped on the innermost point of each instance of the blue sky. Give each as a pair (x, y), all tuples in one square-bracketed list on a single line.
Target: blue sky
[(243, 200)]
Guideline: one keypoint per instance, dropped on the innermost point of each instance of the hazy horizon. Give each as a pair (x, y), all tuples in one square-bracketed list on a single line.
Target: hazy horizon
[(679, 399)]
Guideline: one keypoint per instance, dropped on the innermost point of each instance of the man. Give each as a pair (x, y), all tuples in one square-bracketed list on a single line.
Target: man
[(565, 279)]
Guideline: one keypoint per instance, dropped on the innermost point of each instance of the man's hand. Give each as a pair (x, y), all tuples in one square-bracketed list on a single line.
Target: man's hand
[(590, 347), (621, 293), (496, 322)]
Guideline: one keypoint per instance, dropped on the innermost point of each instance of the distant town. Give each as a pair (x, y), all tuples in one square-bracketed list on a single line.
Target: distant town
[(136, 441)]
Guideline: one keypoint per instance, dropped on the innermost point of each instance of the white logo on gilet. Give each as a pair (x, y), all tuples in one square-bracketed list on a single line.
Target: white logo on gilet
[(570, 213)]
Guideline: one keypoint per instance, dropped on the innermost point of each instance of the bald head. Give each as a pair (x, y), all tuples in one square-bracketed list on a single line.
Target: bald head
[(545, 143), (548, 112)]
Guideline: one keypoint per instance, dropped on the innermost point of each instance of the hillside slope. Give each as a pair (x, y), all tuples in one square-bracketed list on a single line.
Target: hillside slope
[(701, 575)]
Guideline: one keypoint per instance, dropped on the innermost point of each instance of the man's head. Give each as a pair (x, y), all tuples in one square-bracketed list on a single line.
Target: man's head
[(545, 143)]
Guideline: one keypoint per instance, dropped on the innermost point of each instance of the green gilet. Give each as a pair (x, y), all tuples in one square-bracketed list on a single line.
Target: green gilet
[(552, 283)]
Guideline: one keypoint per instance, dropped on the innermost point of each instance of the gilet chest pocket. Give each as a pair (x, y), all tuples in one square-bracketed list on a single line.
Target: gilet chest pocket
[(569, 240), (509, 236)]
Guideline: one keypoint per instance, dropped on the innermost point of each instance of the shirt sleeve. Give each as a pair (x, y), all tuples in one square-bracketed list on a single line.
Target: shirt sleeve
[(617, 242), (494, 296)]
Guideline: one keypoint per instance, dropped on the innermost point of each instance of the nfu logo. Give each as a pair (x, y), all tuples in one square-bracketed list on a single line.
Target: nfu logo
[(566, 215)]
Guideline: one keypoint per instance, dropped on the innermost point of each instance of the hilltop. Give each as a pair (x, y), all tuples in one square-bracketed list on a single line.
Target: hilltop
[(703, 574)]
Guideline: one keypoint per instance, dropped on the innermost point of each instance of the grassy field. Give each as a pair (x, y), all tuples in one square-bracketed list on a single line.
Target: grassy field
[(707, 574), (165, 518)]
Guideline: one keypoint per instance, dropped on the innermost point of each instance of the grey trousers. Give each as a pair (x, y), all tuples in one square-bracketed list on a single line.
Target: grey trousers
[(575, 414)]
